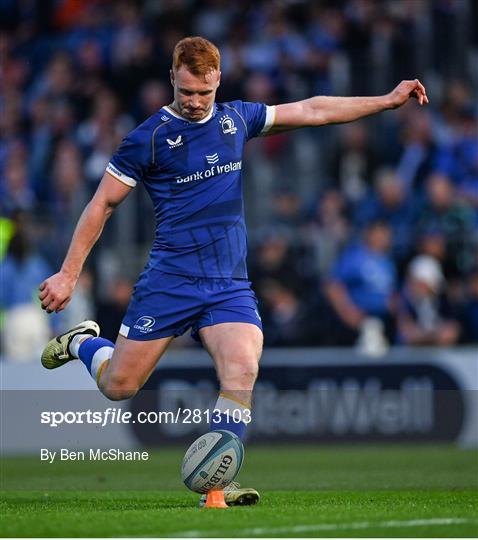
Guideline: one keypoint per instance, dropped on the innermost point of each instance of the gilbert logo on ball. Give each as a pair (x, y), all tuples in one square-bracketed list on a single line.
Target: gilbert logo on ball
[(212, 461)]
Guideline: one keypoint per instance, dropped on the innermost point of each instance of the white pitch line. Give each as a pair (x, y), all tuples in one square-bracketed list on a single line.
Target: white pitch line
[(326, 527)]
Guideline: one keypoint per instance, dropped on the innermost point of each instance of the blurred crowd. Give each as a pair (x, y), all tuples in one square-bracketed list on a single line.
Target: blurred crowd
[(362, 234)]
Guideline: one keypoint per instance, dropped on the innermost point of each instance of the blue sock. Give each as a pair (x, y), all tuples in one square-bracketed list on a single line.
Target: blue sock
[(93, 352), (230, 415)]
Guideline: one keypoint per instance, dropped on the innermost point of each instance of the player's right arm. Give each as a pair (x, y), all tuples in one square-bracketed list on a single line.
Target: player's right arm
[(56, 291), (324, 110)]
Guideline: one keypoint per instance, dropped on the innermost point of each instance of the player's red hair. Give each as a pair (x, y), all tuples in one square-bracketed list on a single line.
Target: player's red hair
[(199, 55)]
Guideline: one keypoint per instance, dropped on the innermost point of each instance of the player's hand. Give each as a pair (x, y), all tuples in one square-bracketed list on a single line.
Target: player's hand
[(406, 90), (55, 292)]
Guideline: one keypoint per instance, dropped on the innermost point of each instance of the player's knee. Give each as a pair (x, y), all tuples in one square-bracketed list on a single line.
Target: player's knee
[(251, 373), (117, 389), (119, 393), (250, 368), (243, 369)]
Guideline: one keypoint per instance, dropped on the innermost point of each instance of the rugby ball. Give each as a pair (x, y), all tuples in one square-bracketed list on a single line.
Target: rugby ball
[(212, 461)]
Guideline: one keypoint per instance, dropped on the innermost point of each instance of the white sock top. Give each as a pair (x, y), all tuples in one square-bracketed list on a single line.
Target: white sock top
[(75, 343), (234, 409)]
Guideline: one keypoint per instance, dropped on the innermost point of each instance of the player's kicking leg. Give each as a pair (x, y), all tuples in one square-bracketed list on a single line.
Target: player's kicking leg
[(236, 349), (119, 370)]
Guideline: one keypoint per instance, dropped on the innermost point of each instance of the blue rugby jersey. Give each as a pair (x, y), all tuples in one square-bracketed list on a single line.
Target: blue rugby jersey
[(192, 171)]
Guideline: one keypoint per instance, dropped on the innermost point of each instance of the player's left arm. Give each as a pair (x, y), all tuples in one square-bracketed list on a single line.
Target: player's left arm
[(323, 110)]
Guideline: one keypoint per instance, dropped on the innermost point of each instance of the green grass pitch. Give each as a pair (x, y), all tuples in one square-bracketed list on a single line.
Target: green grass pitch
[(307, 491)]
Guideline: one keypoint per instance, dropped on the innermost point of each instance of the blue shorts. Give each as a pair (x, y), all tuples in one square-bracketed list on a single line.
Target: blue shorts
[(166, 305)]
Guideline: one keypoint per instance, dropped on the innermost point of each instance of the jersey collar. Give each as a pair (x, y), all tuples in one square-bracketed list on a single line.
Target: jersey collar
[(177, 115)]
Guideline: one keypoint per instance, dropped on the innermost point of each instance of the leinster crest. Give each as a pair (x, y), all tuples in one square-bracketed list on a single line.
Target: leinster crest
[(227, 124)]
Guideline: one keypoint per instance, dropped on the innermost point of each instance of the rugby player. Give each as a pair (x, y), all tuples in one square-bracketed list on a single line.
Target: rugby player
[(188, 156)]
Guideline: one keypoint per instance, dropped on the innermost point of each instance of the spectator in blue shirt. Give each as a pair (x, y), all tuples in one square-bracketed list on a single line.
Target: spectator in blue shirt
[(362, 284)]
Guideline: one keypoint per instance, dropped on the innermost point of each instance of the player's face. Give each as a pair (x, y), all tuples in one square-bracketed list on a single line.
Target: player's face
[(194, 95)]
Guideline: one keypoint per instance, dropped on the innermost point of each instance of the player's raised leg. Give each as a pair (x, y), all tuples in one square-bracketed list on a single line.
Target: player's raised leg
[(119, 370), (236, 349), (130, 366)]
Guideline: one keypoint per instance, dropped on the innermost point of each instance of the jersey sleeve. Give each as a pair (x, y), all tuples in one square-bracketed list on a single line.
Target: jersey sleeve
[(131, 160), (257, 117)]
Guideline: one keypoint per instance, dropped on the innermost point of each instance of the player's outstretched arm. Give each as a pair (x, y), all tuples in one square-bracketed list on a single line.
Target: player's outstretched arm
[(322, 110), (56, 291)]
